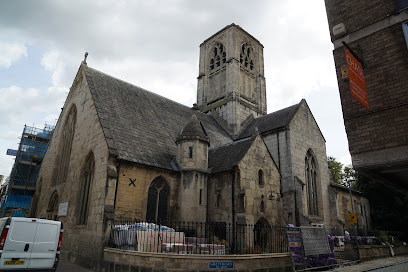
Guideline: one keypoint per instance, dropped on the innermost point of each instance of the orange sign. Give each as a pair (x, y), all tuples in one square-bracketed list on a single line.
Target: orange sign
[(356, 78)]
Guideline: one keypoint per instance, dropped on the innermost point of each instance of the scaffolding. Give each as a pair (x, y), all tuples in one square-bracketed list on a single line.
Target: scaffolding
[(22, 180)]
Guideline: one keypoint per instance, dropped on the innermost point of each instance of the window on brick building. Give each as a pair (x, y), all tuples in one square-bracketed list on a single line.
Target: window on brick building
[(311, 184), (66, 146), (85, 189)]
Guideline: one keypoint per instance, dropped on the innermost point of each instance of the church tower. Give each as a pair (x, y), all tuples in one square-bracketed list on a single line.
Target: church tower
[(231, 78)]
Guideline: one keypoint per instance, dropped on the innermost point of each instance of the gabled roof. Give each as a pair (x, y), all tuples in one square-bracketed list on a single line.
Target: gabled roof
[(225, 157), (140, 126), (271, 121)]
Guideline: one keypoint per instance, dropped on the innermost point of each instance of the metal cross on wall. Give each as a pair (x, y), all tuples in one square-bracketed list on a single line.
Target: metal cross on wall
[(132, 182)]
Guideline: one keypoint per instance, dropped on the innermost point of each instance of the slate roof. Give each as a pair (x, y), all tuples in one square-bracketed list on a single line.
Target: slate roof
[(225, 157), (271, 121), (140, 126), (193, 130)]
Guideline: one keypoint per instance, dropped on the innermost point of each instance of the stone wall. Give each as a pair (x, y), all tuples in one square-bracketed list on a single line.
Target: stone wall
[(82, 244), (305, 135), (376, 252), (131, 200), (341, 214), (128, 261), (258, 158)]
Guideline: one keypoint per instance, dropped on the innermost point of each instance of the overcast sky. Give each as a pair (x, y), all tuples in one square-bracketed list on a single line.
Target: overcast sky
[(155, 45)]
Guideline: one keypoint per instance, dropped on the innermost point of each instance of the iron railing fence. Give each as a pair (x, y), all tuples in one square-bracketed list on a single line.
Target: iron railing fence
[(216, 238)]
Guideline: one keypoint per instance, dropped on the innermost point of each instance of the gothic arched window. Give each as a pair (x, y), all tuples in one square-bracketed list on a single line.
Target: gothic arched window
[(66, 146), (85, 188), (245, 57), (311, 184), (218, 57), (157, 201), (53, 206)]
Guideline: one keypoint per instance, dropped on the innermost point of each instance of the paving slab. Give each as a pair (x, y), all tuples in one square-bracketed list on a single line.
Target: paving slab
[(373, 264)]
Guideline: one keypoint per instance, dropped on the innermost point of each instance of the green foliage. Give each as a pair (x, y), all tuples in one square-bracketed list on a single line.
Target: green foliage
[(336, 169)]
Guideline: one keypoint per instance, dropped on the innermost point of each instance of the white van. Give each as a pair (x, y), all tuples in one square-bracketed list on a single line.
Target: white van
[(29, 244)]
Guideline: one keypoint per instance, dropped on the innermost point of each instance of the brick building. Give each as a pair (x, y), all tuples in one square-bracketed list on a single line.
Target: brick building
[(119, 151), (377, 32)]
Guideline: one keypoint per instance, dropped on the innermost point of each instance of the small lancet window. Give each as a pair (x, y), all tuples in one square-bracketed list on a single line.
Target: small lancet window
[(218, 201), (262, 206), (190, 152), (260, 178)]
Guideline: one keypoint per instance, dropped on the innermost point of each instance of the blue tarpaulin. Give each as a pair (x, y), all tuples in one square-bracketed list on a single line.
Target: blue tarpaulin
[(16, 201)]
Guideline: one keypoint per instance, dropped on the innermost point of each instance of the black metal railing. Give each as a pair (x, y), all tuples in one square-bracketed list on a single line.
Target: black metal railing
[(216, 238)]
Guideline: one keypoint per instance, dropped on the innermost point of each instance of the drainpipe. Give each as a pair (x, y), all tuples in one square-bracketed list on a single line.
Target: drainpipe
[(233, 209), (117, 184)]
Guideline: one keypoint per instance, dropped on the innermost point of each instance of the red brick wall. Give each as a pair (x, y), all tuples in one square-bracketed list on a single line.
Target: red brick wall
[(385, 124), (356, 14)]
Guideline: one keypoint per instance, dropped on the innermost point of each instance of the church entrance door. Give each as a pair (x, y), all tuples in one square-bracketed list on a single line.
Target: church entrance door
[(262, 234)]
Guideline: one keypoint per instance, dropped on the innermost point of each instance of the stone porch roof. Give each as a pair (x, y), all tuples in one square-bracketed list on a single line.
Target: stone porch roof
[(225, 157)]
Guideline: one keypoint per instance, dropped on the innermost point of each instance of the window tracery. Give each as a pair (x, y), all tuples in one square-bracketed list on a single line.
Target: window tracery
[(311, 184), (86, 180), (246, 57), (219, 57), (67, 138)]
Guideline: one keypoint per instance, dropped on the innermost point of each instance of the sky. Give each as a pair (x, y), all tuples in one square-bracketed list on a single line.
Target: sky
[(155, 45)]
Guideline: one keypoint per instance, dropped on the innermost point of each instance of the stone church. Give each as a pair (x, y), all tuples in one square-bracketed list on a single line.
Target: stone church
[(119, 151)]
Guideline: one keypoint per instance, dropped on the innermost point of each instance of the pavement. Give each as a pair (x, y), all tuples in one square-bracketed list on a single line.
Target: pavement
[(373, 264), (66, 267)]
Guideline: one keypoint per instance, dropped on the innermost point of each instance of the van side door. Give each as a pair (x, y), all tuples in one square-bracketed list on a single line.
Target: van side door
[(45, 244), (18, 245)]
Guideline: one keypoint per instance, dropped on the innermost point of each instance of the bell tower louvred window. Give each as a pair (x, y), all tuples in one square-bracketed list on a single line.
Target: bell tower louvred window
[(218, 57)]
